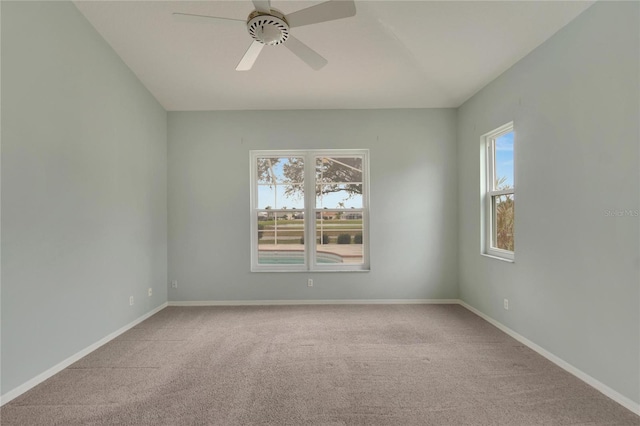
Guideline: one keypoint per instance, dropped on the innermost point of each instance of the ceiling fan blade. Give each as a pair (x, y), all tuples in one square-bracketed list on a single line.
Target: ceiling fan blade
[(262, 5), (188, 17), (250, 56), (327, 11), (304, 52)]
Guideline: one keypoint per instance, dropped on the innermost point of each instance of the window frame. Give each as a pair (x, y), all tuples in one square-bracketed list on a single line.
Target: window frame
[(310, 262), (489, 194)]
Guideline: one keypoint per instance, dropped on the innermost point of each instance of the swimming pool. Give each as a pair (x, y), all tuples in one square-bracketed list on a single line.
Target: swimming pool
[(275, 257)]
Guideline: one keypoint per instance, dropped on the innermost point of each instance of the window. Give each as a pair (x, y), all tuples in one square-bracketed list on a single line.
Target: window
[(499, 192), (309, 210)]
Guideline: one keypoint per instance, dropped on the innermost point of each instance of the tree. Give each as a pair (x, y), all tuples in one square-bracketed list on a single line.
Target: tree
[(505, 213), (504, 223), (339, 174)]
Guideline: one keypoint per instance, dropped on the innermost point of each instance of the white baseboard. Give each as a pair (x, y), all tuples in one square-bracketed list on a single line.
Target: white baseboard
[(598, 385), (315, 302), (14, 393)]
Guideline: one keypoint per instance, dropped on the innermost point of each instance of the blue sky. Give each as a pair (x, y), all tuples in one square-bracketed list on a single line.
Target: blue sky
[(504, 157)]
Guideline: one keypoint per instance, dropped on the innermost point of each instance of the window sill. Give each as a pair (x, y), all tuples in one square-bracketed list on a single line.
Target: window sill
[(498, 258)]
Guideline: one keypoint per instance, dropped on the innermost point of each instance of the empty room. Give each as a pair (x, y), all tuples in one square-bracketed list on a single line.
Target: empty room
[(304, 212)]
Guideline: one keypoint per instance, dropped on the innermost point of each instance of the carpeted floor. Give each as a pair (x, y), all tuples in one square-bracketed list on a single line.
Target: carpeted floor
[(314, 365)]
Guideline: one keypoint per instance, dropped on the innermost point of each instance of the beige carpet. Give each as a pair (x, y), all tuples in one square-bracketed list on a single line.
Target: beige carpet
[(314, 365)]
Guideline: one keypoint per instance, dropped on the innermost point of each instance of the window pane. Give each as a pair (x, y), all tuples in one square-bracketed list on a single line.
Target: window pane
[(504, 161), (338, 169), (339, 182), (339, 236), (341, 196), (279, 196), (280, 170), (280, 182), (503, 214), (280, 237)]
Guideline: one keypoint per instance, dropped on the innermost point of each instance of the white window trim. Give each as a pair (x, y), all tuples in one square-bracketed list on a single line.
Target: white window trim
[(487, 179), (310, 263)]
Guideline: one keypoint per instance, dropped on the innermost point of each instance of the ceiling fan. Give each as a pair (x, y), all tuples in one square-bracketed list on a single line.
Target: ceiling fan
[(268, 26)]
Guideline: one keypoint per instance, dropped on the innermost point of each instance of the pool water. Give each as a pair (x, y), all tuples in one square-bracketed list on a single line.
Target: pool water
[(269, 257)]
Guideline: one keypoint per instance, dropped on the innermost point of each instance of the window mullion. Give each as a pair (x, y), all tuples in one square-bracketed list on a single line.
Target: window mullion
[(309, 207)]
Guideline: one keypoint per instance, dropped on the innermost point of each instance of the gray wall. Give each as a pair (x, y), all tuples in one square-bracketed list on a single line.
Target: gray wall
[(574, 287), (413, 202), (83, 190)]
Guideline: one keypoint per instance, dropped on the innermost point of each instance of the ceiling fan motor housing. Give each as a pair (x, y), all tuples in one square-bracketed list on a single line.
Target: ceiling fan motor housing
[(271, 29)]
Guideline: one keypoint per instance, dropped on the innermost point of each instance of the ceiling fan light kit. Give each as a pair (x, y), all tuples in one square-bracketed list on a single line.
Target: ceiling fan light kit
[(270, 27)]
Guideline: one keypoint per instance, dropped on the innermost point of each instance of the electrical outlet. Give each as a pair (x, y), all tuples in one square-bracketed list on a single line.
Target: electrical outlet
[(309, 282), (174, 283), (150, 291), (506, 304), (130, 300)]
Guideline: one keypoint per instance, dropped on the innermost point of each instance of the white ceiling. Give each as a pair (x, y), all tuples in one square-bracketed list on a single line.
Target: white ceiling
[(392, 54)]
